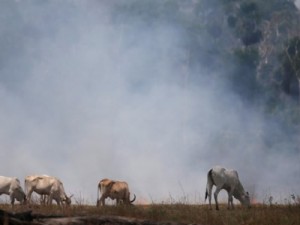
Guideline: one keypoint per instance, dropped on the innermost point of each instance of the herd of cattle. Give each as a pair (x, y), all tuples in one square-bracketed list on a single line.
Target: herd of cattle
[(51, 188)]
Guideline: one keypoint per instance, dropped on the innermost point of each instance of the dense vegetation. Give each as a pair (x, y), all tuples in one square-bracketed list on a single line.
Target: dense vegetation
[(251, 47)]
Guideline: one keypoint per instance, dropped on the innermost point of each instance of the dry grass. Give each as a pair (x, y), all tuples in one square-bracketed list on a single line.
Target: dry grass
[(181, 213)]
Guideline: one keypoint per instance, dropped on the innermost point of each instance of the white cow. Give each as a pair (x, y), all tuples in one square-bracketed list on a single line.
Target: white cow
[(43, 198), (45, 185), (11, 186), (229, 180)]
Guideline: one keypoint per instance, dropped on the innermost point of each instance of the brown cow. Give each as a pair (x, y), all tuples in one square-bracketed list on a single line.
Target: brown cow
[(115, 190)]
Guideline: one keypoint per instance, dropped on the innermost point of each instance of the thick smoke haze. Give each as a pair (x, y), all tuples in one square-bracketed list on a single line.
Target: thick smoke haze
[(85, 96)]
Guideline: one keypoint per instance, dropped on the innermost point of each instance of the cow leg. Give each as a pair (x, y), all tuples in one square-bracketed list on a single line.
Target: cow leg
[(120, 201), (209, 196), (57, 201), (230, 198), (50, 198), (208, 191), (12, 200), (230, 201), (28, 197), (102, 200), (43, 199), (216, 197)]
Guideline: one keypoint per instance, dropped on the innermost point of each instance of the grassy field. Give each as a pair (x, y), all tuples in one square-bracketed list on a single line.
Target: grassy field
[(180, 213)]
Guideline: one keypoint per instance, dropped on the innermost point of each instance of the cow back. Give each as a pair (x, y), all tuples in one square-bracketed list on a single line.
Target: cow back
[(120, 190)]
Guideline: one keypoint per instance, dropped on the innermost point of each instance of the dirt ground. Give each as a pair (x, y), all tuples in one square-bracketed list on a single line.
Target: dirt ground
[(27, 218)]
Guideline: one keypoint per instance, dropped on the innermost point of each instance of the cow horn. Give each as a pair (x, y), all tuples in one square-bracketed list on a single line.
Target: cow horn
[(133, 199)]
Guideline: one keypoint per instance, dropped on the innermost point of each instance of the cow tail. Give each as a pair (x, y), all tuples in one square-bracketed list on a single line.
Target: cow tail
[(210, 182), (25, 186), (98, 191)]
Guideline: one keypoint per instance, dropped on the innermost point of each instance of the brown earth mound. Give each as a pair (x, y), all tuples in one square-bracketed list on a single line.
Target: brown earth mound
[(27, 218)]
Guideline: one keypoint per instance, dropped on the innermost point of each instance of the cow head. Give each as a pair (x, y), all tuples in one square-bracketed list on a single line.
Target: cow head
[(245, 199), (68, 200), (20, 196)]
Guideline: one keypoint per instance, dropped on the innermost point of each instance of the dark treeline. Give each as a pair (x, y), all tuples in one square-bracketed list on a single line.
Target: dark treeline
[(253, 46)]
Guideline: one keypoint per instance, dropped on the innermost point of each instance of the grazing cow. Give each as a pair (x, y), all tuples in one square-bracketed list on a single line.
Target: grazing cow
[(115, 190), (11, 186), (43, 198), (229, 180), (45, 185)]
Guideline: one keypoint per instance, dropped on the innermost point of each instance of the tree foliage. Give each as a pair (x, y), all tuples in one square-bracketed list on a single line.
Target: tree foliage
[(253, 45), (290, 65)]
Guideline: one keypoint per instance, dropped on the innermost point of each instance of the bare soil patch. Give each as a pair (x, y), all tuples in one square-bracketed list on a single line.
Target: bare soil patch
[(27, 217), (154, 214)]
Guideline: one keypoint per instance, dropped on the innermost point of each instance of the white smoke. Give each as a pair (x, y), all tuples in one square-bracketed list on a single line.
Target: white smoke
[(85, 97)]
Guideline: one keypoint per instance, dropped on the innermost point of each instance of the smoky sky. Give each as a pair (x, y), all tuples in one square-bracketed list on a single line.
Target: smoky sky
[(86, 95)]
